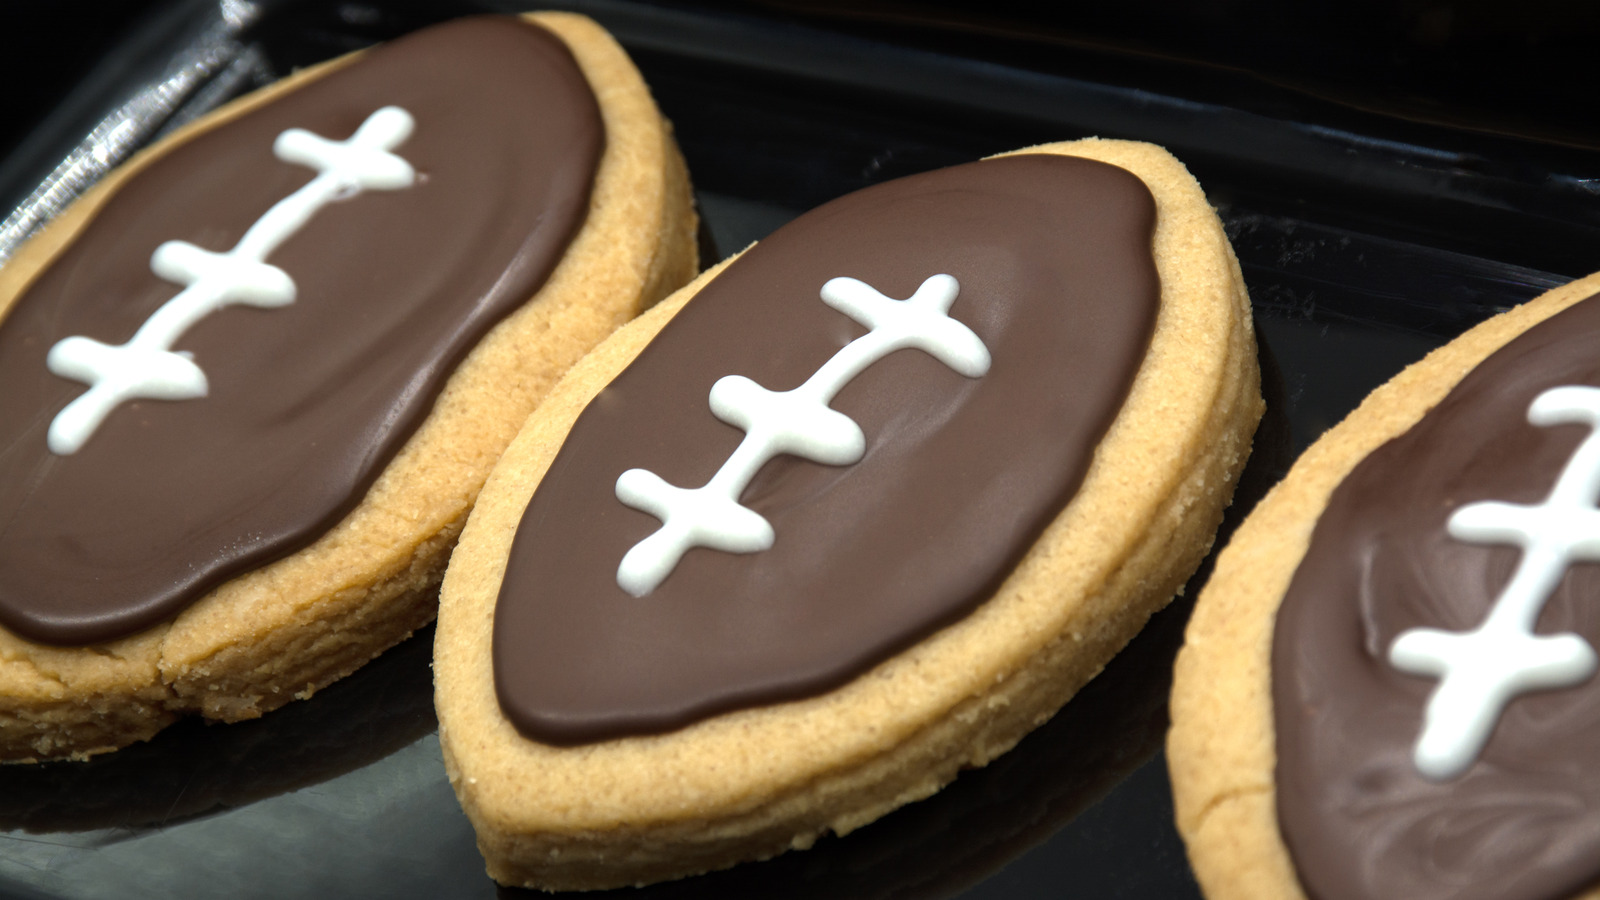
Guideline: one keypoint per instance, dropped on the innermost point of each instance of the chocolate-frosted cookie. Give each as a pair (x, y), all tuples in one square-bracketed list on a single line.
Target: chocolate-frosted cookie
[(255, 379), (1388, 685), (851, 512)]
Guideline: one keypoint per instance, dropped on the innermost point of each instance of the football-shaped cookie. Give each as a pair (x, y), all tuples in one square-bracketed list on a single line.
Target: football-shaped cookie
[(255, 379), (1387, 689), (851, 512)]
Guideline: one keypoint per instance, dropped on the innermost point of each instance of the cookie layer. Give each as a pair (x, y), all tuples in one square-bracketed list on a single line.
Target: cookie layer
[(1379, 488), (750, 783), (290, 626)]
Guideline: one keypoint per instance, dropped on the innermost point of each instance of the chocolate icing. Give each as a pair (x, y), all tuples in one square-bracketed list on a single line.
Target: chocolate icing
[(960, 474), (307, 402), (1524, 822)]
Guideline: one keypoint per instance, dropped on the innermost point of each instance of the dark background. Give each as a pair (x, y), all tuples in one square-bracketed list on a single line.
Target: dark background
[(1523, 69)]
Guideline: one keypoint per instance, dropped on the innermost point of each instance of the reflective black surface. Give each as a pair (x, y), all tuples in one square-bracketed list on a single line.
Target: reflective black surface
[(1368, 233)]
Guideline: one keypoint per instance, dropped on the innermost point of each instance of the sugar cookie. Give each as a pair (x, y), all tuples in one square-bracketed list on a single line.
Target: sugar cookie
[(1387, 687), (967, 431), (256, 378)]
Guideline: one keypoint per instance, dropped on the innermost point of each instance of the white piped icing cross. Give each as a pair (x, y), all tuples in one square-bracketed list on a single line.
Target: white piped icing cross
[(797, 422), (146, 366), (1480, 671)]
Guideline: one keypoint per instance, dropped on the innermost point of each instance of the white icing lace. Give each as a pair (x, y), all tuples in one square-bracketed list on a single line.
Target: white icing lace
[(798, 422), (146, 366)]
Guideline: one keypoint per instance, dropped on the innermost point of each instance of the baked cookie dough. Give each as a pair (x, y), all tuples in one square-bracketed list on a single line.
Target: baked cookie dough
[(940, 545), (259, 490), (1387, 687)]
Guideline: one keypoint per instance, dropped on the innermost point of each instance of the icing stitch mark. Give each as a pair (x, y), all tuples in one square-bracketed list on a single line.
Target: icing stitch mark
[(1480, 671), (797, 422), (146, 366)]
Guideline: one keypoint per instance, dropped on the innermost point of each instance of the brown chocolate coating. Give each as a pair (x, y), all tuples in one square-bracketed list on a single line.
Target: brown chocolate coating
[(960, 474), (1523, 823), (307, 402)]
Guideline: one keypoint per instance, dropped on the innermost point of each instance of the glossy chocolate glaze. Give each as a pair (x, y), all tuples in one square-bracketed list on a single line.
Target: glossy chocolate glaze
[(1524, 822), (960, 474), (307, 402)]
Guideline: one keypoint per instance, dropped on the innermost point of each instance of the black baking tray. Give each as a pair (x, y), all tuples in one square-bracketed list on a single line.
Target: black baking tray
[(1384, 189)]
